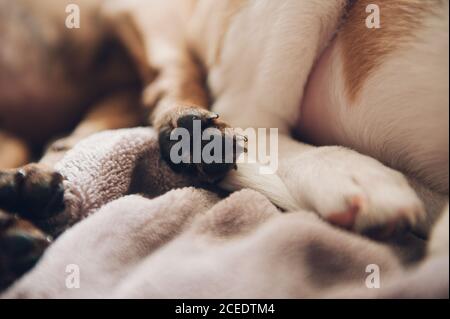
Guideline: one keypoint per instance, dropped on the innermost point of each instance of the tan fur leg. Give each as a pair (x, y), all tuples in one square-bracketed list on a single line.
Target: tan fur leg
[(154, 34), (13, 151), (175, 93)]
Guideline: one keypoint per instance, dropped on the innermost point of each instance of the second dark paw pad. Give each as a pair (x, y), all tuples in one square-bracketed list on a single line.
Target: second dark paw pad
[(21, 246), (34, 192)]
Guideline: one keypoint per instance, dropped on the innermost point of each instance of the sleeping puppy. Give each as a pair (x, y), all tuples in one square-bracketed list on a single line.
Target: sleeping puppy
[(316, 68), (378, 98)]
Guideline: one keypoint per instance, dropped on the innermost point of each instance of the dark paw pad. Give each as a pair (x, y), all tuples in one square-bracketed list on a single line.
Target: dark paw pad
[(21, 246), (210, 150), (391, 229), (34, 192)]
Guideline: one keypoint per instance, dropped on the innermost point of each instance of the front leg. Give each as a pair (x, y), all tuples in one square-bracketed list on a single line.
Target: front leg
[(175, 94), (177, 98), (348, 189)]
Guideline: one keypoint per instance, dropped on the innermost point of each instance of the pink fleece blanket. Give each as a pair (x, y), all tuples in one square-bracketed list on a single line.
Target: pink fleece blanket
[(146, 232)]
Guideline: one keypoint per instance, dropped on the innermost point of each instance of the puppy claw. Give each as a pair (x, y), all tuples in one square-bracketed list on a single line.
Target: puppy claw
[(212, 116)]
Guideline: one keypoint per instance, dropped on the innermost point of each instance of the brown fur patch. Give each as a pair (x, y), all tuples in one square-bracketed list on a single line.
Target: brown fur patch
[(365, 49)]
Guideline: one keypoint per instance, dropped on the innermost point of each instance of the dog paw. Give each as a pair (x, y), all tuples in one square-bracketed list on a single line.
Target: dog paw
[(358, 193), (34, 191), (21, 246), (198, 157)]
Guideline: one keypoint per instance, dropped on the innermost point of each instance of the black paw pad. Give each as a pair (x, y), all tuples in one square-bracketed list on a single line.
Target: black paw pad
[(21, 246), (33, 192), (210, 151)]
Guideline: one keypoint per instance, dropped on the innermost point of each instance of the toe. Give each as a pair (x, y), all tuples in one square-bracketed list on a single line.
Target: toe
[(21, 246), (347, 219), (42, 194), (34, 191), (10, 182)]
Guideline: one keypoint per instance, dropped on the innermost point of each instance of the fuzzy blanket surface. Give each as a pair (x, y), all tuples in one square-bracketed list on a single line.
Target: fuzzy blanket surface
[(143, 231)]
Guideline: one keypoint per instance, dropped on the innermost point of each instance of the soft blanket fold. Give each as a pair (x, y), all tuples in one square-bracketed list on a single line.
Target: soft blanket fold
[(150, 234)]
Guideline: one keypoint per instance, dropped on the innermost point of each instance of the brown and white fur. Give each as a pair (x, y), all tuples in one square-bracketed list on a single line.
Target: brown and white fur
[(311, 67)]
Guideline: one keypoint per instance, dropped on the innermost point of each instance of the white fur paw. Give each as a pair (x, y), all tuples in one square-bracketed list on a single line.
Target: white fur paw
[(355, 192)]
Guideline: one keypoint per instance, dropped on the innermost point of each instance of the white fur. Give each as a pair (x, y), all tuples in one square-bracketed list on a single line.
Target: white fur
[(439, 241), (248, 176), (259, 80), (266, 58), (259, 56)]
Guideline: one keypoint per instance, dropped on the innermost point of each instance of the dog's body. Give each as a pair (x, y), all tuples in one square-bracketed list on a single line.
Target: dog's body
[(382, 92), (311, 67)]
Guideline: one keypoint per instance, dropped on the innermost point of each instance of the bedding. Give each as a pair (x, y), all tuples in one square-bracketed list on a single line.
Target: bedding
[(142, 231)]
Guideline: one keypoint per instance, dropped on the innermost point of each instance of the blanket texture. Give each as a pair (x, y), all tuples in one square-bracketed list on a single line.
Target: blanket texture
[(143, 231)]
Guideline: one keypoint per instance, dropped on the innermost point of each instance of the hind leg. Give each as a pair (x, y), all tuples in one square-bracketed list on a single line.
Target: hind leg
[(397, 112), (346, 188)]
